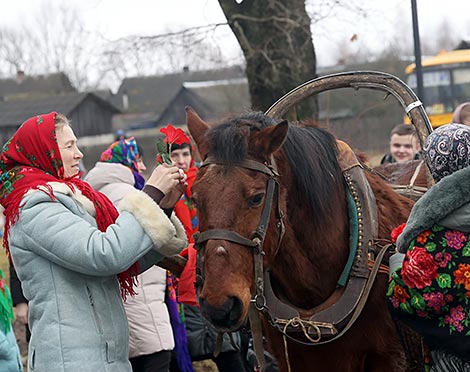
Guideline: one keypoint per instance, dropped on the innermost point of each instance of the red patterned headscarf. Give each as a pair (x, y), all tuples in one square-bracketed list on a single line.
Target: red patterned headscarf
[(30, 160)]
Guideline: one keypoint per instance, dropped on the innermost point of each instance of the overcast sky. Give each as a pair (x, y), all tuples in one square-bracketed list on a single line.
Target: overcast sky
[(119, 18)]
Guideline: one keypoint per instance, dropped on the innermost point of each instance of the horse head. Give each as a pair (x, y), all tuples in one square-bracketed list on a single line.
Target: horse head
[(232, 199)]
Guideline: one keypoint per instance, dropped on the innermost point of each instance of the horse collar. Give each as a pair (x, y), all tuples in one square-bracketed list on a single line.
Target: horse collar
[(337, 314)]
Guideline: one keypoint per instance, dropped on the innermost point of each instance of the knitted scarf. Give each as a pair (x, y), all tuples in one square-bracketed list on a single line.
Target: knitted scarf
[(31, 160)]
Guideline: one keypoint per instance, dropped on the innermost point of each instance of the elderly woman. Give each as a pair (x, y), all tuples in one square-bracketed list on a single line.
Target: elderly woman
[(74, 253), (431, 291)]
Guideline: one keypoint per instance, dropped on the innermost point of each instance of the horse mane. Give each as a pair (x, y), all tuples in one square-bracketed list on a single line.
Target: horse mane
[(311, 153)]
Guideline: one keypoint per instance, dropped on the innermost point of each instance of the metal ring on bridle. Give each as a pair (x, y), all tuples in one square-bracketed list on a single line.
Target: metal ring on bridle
[(260, 302)]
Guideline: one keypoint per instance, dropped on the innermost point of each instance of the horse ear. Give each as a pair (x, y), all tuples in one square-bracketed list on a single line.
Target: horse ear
[(197, 128), (270, 139)]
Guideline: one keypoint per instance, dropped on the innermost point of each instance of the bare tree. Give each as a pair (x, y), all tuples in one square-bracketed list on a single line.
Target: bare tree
[(277, 44), (169, 52), (62, 44), (59, 45), (445, 37)]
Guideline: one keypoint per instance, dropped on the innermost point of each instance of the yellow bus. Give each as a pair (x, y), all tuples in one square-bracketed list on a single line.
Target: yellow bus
[(446, 81)]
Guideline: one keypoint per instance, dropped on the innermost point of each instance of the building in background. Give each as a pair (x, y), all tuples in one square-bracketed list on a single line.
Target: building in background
[(90, 115)]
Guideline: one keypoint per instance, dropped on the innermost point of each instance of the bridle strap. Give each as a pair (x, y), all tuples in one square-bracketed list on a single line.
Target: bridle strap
[(246, 163), (264, 221), (258, 302), (219, 234), (257, 239)]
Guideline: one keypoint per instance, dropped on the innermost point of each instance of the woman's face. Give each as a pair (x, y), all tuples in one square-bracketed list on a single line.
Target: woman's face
[(141, 165), (181, 158), (69, 151)]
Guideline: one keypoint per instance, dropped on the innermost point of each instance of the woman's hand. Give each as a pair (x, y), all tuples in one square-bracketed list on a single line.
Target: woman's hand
[(165, 177), (172, 197), (21, 313)]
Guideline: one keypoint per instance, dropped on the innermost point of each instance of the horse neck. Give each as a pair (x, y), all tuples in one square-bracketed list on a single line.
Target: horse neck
[(314, 249)]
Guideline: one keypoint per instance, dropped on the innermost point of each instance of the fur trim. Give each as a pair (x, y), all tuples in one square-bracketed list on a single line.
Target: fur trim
[(449, 194), (168, 235), (62, 188)]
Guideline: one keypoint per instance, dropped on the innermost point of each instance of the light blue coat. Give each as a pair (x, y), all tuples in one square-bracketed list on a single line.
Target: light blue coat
[(68, 272), (10, 359)]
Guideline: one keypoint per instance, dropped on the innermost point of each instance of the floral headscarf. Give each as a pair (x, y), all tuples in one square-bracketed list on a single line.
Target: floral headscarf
[(31, 160), (125, 152), (447, 149)]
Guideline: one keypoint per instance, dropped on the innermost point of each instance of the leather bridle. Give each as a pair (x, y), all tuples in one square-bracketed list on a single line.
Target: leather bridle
[(256, 241)]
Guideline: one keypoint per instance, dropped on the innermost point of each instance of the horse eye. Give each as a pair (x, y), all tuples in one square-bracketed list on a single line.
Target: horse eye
[(256, 200)]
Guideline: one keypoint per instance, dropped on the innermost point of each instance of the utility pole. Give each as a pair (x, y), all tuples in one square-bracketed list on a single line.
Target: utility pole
[(417, 47)]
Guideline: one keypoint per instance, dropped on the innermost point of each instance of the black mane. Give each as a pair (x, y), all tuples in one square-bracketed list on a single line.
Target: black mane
[(311, 153)]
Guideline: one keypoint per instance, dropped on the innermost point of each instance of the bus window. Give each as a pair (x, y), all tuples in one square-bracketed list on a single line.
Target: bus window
[(437, 91), (461, 85), (446, 80)]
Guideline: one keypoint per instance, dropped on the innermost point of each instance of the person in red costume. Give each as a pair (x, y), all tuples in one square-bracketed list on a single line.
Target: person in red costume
[(201, 334), (180, 152)]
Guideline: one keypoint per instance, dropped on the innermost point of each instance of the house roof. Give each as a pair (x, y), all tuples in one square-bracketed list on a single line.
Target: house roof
[(15, 112), (154, 93), (464, 44), (223, 96), (35, 86), (210, 99), (175, 113)]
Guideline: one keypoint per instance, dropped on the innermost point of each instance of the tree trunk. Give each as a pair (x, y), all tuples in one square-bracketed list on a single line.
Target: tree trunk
[(277, 43)]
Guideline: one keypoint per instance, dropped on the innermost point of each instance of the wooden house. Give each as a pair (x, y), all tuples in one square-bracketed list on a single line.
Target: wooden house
[(89, 114)]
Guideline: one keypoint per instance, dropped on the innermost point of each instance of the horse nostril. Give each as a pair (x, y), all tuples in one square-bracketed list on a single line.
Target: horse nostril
[(227, 316), (237, 308)]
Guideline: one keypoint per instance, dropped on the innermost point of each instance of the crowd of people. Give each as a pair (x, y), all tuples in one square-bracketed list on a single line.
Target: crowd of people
[(84, 251)]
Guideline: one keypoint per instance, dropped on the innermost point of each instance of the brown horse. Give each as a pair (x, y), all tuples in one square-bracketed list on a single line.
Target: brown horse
[(408, 178), (306, 265)]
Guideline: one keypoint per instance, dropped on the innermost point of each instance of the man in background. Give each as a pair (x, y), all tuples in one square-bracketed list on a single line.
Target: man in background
[(404, 145)]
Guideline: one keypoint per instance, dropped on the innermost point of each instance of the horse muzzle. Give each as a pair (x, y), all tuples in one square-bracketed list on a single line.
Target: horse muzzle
[(226, 317)]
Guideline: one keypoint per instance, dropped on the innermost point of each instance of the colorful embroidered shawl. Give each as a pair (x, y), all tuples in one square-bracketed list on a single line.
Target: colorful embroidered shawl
[(431, 292)]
